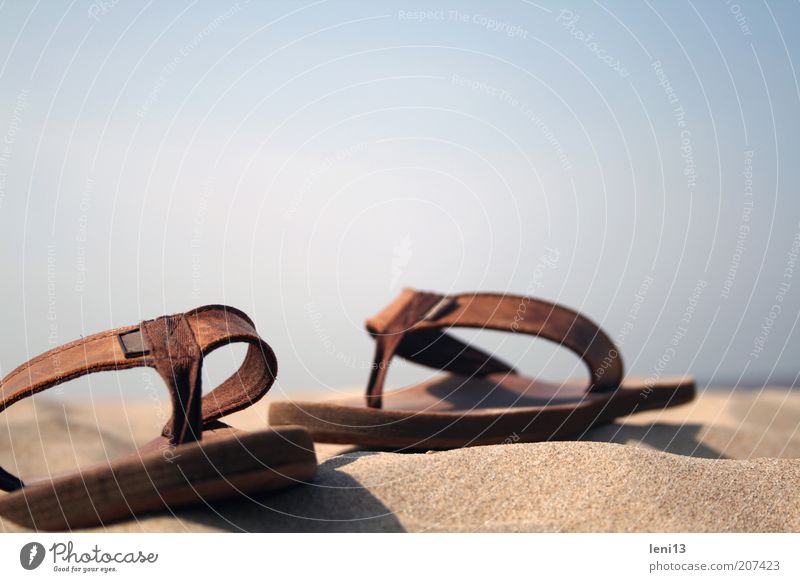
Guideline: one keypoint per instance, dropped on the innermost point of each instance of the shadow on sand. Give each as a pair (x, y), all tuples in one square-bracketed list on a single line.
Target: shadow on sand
[(332, 502)]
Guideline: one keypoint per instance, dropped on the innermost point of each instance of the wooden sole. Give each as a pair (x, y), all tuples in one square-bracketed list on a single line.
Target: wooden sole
[(233, 465), (417, 422)]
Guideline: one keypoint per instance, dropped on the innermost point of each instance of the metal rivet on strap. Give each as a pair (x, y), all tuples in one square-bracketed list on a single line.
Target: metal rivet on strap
[(133, 344)]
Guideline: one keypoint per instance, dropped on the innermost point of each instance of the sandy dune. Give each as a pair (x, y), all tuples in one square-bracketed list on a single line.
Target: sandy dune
[(726, 462)]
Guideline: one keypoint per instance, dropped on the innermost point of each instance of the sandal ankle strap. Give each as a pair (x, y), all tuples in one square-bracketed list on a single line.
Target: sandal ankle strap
[(175, 346)]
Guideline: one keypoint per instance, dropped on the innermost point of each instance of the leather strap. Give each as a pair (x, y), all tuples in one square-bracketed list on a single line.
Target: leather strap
[(412, 327), (175, 346)]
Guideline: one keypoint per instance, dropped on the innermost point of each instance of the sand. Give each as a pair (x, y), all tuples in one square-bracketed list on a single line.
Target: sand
[(730, 461)]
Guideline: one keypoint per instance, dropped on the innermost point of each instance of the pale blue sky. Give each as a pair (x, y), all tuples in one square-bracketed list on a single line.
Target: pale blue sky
[(305, 161)]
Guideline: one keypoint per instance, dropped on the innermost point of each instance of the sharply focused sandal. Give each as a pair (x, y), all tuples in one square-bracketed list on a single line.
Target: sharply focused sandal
[(480, 400), (207, 459)]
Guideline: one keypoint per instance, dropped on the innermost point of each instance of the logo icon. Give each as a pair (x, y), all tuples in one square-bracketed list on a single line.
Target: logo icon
[(402, 253), (31, 555)]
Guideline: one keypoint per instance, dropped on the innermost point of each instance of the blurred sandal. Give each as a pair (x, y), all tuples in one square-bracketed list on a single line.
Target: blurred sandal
[(480, 400), (208, 461)]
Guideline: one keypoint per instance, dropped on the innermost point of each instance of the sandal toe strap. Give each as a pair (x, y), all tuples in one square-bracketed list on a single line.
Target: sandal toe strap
[(414, 327)]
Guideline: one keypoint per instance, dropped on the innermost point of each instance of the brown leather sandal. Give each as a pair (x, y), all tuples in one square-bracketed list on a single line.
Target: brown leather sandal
[(481, 400), (207, 459)]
